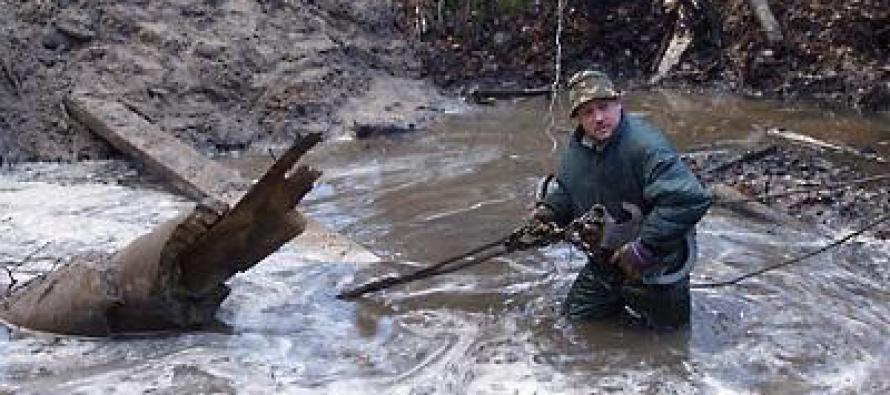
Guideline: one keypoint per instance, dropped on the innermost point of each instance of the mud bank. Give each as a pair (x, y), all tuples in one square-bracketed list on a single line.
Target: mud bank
[(222, 75), (833, 51)]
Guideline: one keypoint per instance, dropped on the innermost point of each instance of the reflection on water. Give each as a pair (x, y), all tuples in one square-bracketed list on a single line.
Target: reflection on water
[(816, 327)]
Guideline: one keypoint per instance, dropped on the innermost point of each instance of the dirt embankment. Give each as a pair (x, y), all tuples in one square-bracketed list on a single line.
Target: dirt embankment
[(831, 50), (219, 74)]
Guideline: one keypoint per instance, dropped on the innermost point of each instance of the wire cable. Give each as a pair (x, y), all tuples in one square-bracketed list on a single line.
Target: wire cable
[(792, 261)]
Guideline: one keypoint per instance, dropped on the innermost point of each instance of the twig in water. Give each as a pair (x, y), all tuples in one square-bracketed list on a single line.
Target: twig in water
[(12, 280), (10, 77)]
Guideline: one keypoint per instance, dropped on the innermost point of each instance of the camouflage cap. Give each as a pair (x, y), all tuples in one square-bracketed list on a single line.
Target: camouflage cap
[(589, 85)]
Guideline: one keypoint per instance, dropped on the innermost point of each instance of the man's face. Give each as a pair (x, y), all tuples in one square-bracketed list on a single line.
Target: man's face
[(599, 118)]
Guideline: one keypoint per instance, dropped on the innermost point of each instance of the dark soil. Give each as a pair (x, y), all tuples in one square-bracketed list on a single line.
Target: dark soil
[(819, 188), (835, 51)]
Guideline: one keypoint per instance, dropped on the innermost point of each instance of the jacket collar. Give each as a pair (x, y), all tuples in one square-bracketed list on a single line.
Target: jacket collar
[(588, 142)]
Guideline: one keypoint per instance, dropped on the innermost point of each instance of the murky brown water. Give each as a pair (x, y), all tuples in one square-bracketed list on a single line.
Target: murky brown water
[(817, 327)]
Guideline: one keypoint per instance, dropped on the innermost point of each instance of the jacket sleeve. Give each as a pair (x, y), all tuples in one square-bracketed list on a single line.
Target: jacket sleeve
[(558, 199), (677, 198)]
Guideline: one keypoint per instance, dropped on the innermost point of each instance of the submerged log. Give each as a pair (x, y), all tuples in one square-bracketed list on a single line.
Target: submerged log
[(173, 277), (747, 156)]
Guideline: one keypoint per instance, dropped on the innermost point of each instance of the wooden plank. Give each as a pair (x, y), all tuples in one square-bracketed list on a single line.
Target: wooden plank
[(186, 169), (192, 173)]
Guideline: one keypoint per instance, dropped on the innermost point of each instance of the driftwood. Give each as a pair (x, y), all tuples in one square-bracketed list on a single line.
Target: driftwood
[(485, 95), (173, 277), (771, 28), (807, 141)]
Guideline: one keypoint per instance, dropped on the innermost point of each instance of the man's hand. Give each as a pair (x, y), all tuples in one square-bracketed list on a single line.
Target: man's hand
[(616, 234), (633, 259), (541, 216), (537, 231)]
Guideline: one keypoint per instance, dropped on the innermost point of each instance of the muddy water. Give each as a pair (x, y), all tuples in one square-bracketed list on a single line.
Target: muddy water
[(815, 328)]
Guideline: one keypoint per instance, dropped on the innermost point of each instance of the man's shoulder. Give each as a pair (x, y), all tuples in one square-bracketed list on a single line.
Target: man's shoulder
[(645, 135), (642, 125)]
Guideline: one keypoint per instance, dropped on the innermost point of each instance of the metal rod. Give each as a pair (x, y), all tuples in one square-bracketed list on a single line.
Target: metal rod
[(432, 270)]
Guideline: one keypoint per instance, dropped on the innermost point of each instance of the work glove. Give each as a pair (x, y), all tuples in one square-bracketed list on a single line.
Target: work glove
[(589, 228), (633, 259), (616, 234)]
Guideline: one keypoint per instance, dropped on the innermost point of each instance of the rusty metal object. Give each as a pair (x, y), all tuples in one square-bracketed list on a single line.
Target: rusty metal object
[(584, 232)]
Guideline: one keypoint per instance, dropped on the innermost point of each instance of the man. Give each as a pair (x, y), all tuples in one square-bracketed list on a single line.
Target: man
[(652, 200)]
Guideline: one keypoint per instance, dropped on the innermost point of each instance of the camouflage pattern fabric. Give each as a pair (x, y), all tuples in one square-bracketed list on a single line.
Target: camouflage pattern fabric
[(589, 85)]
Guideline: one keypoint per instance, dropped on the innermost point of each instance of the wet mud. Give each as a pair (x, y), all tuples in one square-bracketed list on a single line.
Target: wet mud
[(221, 75)]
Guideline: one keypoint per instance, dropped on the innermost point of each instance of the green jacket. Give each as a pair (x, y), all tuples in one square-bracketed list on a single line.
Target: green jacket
[(637, 164)]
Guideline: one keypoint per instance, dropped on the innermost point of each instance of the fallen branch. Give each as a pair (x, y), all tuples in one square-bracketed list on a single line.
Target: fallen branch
[(6, 265), (27, 257), (771, 28), (673, 45), (484, 95), (807, 141)]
